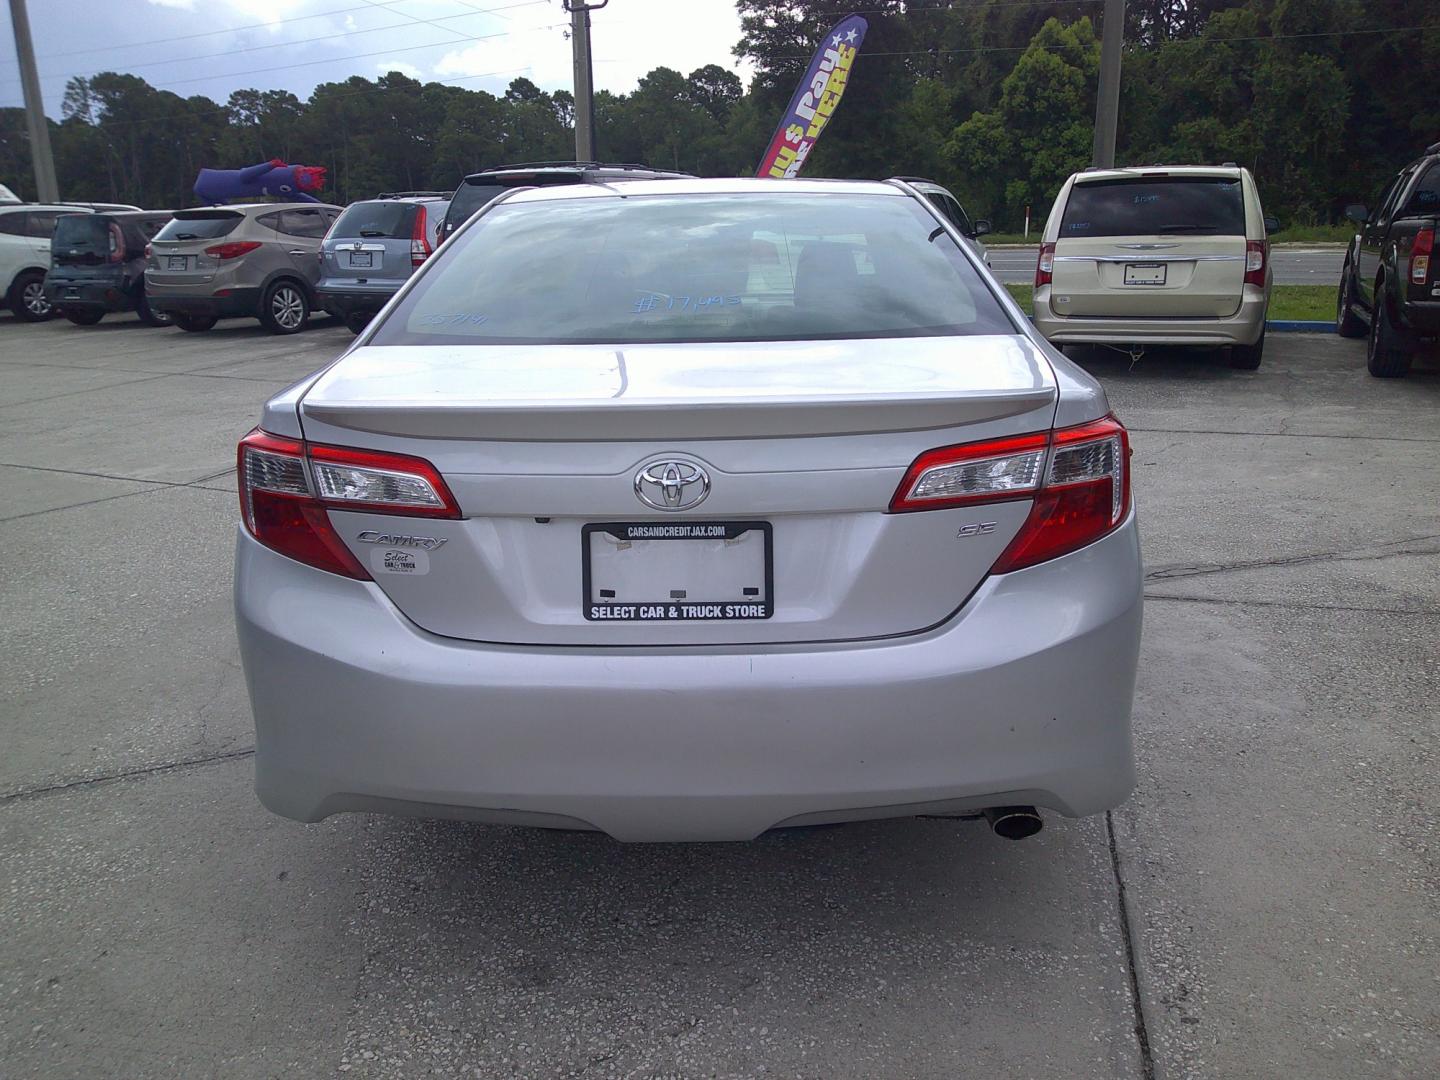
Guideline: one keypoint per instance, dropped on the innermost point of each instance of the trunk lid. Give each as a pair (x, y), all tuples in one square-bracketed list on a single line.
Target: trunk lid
[(802, 443)]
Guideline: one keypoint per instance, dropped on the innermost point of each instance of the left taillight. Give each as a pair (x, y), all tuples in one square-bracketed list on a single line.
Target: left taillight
[(1045, 265), (1256, 252), (287, 488), (1077, 477)]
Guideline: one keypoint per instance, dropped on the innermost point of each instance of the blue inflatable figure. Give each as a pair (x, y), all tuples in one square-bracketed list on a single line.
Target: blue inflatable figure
[(273, 178)]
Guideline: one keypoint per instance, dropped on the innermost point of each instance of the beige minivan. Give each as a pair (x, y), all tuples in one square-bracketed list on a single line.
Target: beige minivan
[(1159, 255)]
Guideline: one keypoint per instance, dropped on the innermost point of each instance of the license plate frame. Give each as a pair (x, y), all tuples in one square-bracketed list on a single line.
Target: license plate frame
[(362, 260), (1150, 278), (674, 609), (177, 262)]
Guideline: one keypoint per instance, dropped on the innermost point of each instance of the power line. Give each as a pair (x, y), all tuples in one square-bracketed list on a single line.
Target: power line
[(1198, 40), (303, 41)]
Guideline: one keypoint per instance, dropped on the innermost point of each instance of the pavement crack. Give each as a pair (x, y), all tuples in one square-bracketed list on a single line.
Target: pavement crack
[(1293, 605), (1184, 570), (1142, 1030), (125, 774), (1280, 434)]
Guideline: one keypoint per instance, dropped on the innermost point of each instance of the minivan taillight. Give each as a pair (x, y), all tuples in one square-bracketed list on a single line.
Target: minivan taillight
[(1420, 255), (232, 250), (1078, 477), (117, 244), (1256, 252), (287, 488), (1045, 265), (419, 243)]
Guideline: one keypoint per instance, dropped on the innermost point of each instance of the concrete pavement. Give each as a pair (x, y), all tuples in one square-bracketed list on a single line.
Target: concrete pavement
[(1266, 904), (1298, 265)]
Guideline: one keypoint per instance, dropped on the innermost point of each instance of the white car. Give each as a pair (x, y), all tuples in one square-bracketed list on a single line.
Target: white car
[(1159, 255), (25, 230), (687, 509)]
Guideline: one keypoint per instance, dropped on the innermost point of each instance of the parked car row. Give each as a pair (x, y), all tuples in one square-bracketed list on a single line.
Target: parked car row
[(1129, 257)]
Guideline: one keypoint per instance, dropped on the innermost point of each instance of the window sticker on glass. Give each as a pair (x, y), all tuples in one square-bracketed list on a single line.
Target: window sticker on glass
[(462, 318), (652, 301)]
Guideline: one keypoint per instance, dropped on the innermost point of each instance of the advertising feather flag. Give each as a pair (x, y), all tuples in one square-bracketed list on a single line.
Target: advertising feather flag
[(815, 101)]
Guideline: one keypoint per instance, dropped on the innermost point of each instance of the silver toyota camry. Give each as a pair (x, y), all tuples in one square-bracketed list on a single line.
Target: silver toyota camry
[(683, 510)]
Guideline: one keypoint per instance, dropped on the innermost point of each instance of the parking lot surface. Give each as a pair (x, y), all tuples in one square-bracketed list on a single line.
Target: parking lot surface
[(1267, 904)]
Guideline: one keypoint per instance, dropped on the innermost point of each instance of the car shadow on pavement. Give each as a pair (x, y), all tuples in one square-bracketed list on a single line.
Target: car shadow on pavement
[(805, 949)]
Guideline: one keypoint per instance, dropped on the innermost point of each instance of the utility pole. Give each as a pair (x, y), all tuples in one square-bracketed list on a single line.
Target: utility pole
[(584, 75), (1107, 101), (46, 190)]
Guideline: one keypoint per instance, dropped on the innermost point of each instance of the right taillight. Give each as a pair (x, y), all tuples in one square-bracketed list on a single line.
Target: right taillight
[(1045, 265), (117, 244), (1420, 255), (1078, 477), (287, 488), (419, 242), (1256, 252), (232, 250)]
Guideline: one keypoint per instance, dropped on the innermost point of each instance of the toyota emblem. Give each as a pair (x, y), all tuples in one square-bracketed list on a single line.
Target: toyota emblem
[(672, 484)]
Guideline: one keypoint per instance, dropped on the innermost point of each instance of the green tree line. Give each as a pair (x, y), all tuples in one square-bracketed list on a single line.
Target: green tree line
[(1321, 99)]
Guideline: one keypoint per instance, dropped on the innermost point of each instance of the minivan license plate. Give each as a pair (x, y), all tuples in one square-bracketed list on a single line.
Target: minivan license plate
[(1144, 273), (360, 260), (690, 571), (176, 262)]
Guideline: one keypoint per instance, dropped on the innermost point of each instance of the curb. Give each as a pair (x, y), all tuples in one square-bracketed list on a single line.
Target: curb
[(1301, 326)]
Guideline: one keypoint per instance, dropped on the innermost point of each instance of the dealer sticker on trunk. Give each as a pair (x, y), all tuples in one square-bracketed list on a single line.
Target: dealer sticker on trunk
[(398, 561)]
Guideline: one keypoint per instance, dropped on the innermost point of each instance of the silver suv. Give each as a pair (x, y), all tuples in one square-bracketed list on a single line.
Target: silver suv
[(477, 189), (258, 260), (373, 248)]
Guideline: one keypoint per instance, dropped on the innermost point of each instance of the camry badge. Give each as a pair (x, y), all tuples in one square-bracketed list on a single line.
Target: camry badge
[(424, 543), (672, 484)]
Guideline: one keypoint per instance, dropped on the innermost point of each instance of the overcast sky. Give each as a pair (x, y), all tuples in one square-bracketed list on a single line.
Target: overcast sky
[(212, 47)]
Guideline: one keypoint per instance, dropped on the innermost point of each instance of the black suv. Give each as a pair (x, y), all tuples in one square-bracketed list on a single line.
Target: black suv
[(1390, 288), (479, 188), (97, 265)]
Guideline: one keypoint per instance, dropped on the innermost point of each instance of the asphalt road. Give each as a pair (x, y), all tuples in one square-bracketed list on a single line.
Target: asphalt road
[(1271, 891), (1292, 265)]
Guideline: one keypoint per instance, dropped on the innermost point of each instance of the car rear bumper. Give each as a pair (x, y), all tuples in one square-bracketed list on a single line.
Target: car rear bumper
[(1023, 697), (201, 301), (1422, 317), (339, 298), (104, 295), (1242, 328)]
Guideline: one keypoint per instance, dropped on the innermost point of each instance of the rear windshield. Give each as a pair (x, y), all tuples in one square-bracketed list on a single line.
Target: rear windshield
[(199, 226), (1425, 199), (82, 231), (387, 220), (698, 268), (1206, 206), (469, 198)]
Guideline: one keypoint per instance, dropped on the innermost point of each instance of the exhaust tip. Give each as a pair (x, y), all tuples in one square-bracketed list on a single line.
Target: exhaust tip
[(1014, 822)]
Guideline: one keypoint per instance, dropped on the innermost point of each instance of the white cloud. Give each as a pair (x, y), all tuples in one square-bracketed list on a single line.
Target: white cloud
[(627, 40), (184, 5), (387, 66)]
